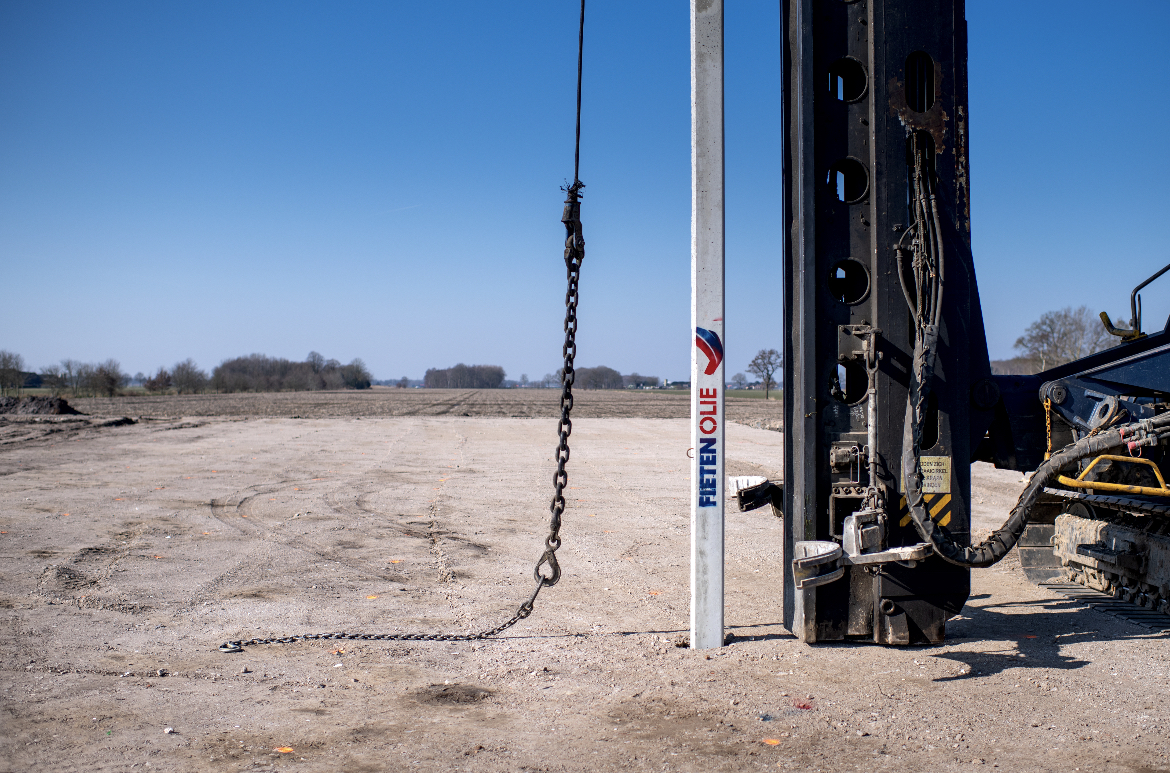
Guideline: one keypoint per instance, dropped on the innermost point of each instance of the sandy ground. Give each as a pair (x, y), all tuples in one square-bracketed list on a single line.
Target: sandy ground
[(129, 552)]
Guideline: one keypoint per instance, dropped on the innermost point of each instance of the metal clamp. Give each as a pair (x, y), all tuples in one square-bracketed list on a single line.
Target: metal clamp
[(918, 552), (812, 557)]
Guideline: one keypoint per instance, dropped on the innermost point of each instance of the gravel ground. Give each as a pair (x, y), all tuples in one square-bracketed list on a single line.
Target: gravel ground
[(129, 552)]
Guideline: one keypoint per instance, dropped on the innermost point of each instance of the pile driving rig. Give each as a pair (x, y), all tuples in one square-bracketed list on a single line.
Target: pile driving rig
[(889, 391)]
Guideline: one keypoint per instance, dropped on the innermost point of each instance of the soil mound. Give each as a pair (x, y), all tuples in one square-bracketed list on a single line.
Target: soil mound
[(37, 406)]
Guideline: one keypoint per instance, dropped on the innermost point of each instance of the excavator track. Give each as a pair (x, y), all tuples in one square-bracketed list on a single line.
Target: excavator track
[(1110, 552)]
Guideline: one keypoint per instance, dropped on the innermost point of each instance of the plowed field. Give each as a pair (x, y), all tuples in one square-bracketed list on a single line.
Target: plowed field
[(513, 403)]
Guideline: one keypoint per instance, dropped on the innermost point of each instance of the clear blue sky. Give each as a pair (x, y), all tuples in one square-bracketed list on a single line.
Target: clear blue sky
[(380, 179)]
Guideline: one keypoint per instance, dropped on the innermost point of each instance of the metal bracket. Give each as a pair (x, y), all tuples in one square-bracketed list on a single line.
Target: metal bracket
[(812, 558), (750, 491), (918, 552), (1126, 559)]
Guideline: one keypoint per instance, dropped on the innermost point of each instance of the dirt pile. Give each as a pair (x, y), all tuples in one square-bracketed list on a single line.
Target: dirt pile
[(37, 406)]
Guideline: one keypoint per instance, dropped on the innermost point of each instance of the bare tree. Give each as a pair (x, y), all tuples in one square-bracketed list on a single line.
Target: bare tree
[(53, 378), (159, 382), (11, 372), (356, 375), (403, 383), (107, 378), (764, 364), (1063, 336), (638, 381), (188, 378), (85, 379), (739, 381), (71, 373)]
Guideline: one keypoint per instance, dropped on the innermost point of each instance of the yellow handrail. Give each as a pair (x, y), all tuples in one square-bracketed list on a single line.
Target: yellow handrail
[(1163, 491)]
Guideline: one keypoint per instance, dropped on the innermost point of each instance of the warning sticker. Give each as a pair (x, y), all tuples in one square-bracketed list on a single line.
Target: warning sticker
[(936, 475)]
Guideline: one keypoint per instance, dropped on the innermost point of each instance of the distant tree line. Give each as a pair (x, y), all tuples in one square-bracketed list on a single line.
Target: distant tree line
[(600, 377), (636, 381), (184, 377), (260, 373), (254, 373), (84, 379), (465, 377)]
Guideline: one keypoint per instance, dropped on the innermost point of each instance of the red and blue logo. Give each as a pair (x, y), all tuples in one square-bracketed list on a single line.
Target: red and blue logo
[(710, 345)]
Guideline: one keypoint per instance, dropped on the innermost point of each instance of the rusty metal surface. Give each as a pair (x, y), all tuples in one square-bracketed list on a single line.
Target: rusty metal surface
[(1114, 553)]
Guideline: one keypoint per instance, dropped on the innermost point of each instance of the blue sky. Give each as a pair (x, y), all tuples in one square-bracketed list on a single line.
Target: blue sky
[(380, 180)]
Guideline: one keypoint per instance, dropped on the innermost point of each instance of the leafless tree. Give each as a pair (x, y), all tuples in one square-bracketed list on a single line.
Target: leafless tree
[(53, 379), (159, 382), (85, 379), (106, 378), (1063, 336), (638, 381), (764, 364), (356, 375), (403, 383), (71, 373), (11, 372), (738, 381), (188, 378)]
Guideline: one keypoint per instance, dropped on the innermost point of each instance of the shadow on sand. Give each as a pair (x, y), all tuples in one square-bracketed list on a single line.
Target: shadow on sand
[(1041, 630)]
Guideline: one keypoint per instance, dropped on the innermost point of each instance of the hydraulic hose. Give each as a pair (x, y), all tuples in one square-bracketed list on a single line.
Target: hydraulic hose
[(1003, 539), (925, 305)]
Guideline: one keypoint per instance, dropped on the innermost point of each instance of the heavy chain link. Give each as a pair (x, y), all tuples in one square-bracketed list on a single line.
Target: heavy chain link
[(574, 253)]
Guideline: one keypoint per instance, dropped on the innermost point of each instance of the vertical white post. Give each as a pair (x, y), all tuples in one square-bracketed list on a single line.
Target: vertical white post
[(707, 323)]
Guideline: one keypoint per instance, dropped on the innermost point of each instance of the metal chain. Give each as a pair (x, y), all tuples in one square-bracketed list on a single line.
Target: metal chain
[(574, 254)]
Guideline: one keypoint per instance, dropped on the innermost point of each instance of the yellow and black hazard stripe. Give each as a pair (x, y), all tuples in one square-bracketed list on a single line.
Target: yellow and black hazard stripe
[(938, 506)]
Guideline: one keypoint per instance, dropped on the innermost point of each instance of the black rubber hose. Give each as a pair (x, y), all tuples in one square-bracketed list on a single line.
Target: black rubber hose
[(1003, 539), (928, 316)]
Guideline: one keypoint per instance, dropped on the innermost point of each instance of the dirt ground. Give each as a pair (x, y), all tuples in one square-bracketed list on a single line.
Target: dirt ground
[(384, 401), (128, 552)]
